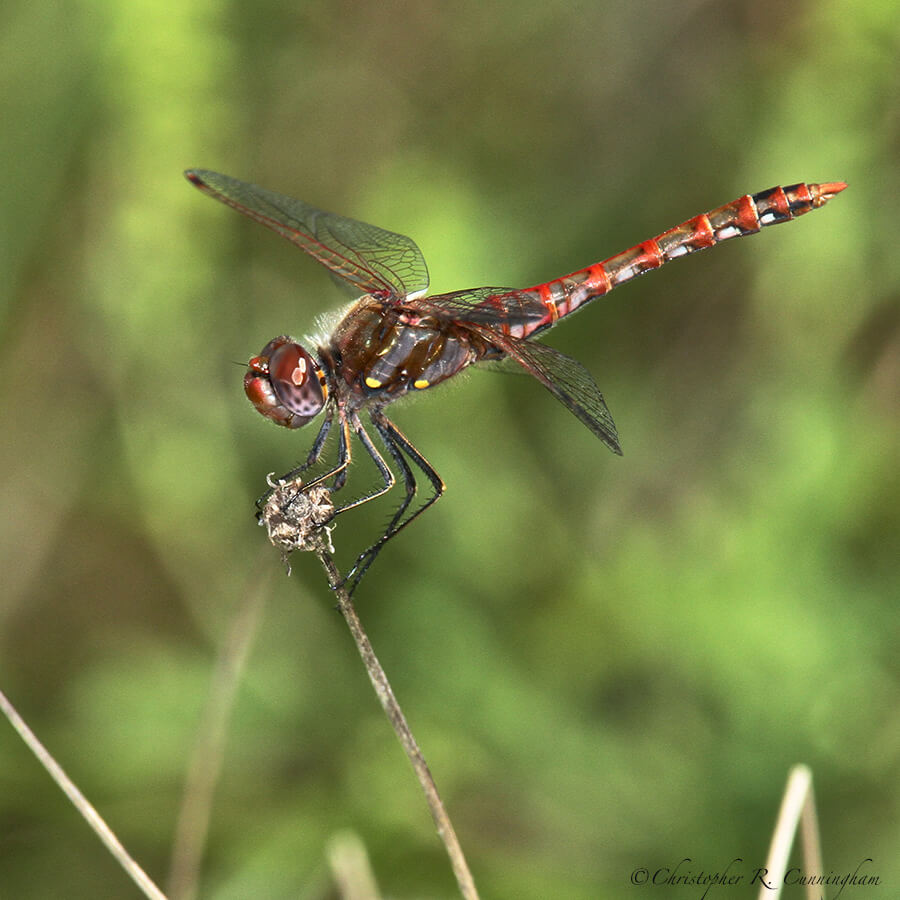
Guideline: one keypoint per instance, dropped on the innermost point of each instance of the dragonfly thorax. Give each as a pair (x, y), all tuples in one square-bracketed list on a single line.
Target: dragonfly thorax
[(286, 384)]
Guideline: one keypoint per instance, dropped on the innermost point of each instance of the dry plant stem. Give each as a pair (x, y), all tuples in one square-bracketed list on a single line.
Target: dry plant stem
[(810, 840), (90, 815), (398, 721), (209, 750), (350, 867), (797, 808)]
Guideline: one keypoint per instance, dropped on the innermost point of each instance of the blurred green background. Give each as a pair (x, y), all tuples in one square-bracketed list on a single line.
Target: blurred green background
[(610, 663)]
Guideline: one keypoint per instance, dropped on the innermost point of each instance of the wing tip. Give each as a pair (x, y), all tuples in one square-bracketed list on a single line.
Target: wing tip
[(606, 431)]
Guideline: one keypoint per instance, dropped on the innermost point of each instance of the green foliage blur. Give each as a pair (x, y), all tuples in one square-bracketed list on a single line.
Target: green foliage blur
[(609, 663)]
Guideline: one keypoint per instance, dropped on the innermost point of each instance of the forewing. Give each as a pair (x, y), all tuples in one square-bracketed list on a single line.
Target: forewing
[(571, 383), (371, 259), (491, 307)]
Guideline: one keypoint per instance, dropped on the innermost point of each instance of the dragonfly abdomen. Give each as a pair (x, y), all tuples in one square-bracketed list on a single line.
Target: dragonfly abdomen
[(746, 215)]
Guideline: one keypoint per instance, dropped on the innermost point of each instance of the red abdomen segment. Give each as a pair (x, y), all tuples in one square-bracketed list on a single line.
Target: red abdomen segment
[(746, 215)]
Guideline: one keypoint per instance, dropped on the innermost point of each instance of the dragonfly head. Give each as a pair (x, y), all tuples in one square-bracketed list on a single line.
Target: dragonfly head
[(286, 384)]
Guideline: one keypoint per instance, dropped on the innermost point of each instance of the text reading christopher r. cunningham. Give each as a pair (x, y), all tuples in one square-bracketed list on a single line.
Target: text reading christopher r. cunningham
[(687, 873)]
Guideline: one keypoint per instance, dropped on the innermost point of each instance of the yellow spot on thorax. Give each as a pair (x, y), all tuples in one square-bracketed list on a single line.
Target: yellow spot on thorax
[(373, 382)]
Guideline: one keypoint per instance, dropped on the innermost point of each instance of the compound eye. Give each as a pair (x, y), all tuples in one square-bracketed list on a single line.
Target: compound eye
[(294, 375)]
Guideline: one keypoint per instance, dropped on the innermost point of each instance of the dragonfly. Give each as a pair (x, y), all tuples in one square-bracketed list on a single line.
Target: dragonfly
[(395, 340)]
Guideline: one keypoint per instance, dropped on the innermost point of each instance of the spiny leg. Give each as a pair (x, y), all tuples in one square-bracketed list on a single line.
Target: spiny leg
[(344, 452), (398, 445), (388, 479), (409, 479), (367, 557), (315, 453), (388, 430), (294, 513), (316, 450), (336, 472), (388, 482)]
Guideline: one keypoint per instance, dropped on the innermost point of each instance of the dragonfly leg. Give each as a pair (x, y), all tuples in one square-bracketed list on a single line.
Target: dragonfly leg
[(339, 472), (315, 454), (400, 448), (387, 476), (394, 437), (345, 457), (295, 513), (278, 504), (318, 444), (409, 481), (293, 484), (343, 449)]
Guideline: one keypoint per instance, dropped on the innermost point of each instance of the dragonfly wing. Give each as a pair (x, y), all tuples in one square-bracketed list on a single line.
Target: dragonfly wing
[(375, 261), (571, 383), (491, 307)]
